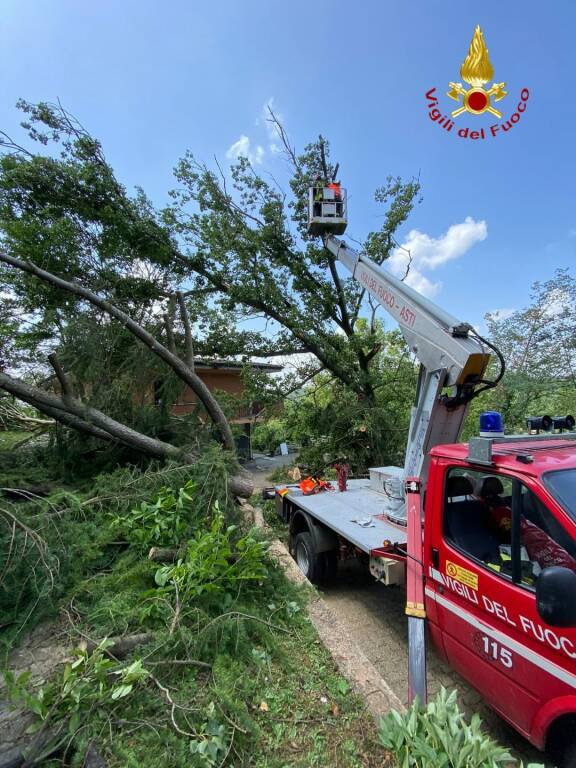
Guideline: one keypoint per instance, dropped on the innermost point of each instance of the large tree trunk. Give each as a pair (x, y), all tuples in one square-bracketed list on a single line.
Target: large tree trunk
[(76, 415), (181, 369), (73, 413)]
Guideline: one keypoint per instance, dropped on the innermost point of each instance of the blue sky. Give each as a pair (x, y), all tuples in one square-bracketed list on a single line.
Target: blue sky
[(154, 79)]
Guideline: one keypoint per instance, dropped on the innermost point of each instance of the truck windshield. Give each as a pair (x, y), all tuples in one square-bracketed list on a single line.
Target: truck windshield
[(562, 485)]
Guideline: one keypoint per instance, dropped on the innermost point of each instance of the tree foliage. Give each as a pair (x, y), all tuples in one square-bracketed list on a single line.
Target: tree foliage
[(538, 343), (331, 423), (247, 239)]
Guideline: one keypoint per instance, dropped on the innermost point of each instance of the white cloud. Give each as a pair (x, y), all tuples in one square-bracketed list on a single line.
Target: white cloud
[(243, 148), (422, 284), (428, 253)]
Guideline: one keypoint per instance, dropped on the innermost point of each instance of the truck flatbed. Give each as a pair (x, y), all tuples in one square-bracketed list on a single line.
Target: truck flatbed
[(341, 511)]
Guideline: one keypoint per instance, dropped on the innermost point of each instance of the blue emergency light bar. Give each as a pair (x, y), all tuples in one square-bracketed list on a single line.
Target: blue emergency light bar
[(491, 424)]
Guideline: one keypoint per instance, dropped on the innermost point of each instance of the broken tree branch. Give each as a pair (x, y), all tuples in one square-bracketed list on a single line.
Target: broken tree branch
[(121, 646), (188, 338), (86, 419), (288, 148), (62, 378)]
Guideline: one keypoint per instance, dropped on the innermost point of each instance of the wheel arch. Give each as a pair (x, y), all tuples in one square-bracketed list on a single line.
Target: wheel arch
[(551, 720), (323, 538)]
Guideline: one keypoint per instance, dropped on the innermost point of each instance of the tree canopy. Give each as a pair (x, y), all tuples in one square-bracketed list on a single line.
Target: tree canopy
[(232, 243)]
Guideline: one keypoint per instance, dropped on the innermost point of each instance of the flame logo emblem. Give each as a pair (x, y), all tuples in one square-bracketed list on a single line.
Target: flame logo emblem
[(477, 70)]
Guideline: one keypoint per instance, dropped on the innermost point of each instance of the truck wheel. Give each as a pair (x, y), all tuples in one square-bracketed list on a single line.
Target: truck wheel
[(310, 563), (566, 755), (562, 743)]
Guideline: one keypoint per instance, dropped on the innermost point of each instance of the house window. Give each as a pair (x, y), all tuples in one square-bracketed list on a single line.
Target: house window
[(500, 523)]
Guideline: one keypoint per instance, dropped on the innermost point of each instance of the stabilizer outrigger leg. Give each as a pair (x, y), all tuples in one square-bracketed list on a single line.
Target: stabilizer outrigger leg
[(415, 609)]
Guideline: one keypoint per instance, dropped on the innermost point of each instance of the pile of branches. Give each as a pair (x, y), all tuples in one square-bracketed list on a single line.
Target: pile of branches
[(199, 598)]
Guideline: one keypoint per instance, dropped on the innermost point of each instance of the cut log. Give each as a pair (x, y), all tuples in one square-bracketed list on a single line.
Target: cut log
[(160, 555), (121, 646), (241, 485)]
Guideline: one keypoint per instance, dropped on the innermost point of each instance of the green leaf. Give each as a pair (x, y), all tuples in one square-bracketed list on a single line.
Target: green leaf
[(121, 691), (162, 576), (34, 727)]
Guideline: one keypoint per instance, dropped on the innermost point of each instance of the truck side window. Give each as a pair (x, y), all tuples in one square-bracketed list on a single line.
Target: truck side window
[(478, 516), (543, 540), (478, 519)]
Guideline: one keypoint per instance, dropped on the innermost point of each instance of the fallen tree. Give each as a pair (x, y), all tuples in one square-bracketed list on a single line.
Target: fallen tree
[(71, 411), (184, 370)]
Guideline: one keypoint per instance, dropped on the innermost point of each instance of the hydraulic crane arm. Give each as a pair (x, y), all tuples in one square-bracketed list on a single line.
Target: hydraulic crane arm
[(450, 354), (439, 340)]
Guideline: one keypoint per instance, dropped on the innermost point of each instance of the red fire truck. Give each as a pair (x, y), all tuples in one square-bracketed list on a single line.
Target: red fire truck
[(482, 534)]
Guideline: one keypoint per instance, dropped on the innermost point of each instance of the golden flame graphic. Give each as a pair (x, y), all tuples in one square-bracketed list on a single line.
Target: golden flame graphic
[(477, 69)]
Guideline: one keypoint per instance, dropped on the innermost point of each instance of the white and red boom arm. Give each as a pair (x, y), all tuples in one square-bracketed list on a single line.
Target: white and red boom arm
[(449, 352)]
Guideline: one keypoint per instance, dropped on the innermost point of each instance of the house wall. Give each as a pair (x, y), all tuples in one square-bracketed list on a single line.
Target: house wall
[(225, 381)]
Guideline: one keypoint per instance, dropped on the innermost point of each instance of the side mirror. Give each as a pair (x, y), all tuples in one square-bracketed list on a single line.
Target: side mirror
[(556, 596)]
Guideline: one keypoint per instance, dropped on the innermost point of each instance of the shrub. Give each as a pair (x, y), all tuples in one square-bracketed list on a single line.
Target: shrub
[(214, 564), (269, 434), (165, 522), (439, 735)]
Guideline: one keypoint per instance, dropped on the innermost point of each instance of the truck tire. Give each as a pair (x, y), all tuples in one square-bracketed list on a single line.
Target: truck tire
[(307, 559), (565, 754), (562, 743)]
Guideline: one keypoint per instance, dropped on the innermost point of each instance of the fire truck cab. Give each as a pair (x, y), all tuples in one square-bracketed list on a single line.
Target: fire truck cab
[(500, 578)]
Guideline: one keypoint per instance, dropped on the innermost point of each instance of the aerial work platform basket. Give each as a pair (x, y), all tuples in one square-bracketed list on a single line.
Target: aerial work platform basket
[(327, 210)]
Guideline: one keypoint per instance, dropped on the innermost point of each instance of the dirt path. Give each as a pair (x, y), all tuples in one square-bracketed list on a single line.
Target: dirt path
[(375, 617), (261, 466)]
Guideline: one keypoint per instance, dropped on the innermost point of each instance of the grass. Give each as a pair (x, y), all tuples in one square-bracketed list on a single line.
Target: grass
[(285, 706), (312, 717)]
